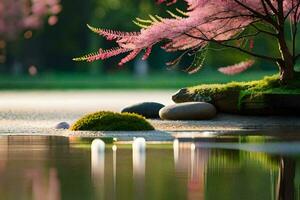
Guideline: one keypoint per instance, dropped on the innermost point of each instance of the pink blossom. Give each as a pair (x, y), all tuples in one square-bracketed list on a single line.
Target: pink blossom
[(237, 68), (52, 20), (205, 21)]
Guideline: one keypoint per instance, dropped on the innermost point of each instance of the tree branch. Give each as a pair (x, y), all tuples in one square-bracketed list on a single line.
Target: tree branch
[(263, 31), (295, 29), (266, 18), (236, 48), (271, 6)]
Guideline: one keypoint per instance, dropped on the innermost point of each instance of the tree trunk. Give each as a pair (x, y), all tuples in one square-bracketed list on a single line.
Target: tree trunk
[(287, 72), (286, 64)]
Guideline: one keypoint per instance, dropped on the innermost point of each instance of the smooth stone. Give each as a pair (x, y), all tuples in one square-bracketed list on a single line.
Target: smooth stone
[(146, 109), (62, 125), (188, 111)]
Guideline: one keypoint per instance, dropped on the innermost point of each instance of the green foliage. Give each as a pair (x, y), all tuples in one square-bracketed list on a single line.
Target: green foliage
[(110, 121), (198, 61)]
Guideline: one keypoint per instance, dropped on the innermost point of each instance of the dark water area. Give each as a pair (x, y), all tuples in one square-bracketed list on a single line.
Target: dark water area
[(239, 168)]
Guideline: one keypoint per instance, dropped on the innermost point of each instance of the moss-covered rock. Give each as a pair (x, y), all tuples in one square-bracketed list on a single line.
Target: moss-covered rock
[(252, 97), (110, 121)]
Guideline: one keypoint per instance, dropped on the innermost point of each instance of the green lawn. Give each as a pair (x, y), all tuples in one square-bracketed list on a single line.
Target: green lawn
[(170, 80)]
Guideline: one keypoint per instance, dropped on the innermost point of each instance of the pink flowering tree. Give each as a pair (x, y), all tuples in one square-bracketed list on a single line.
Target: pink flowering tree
[(20, 17), (17, 16), (227, 23)]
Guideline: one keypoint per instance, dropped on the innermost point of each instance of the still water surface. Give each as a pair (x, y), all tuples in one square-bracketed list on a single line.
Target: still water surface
[(243, 168)]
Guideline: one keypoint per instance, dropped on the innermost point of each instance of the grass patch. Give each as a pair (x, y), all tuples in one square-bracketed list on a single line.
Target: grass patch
[(110, 121), (121, 81)]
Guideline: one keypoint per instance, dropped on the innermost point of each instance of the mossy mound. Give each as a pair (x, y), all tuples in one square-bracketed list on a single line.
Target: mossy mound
[(231, 97), (110, 121)]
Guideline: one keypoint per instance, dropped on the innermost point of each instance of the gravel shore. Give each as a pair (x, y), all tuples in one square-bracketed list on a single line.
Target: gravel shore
[(37, 113)]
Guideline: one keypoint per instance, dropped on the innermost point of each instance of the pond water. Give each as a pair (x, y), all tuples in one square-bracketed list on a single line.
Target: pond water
[(237, 168)]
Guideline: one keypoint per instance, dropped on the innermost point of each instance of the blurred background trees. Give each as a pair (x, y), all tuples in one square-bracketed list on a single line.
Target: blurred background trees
[(49, 49), (18, 19)]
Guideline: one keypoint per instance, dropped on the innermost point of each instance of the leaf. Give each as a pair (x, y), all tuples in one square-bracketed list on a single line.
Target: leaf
[(185, 14), (198, 61), (174, 15), (140, 24)]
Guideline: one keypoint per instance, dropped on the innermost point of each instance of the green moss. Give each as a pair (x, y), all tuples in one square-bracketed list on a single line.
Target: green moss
[(269, 84), (110, 121), (212, 89)]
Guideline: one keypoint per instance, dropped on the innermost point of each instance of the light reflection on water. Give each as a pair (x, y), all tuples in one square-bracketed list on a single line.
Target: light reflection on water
[(98, 166), (54, 168), (139, 167)]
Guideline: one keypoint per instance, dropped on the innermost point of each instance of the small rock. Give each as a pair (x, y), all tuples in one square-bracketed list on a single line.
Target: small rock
[(62, 125), (146, 109), (188, 111)]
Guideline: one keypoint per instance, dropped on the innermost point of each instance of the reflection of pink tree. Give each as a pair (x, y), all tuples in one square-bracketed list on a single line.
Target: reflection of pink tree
[(189, 158), (41, 189), (3, 155)]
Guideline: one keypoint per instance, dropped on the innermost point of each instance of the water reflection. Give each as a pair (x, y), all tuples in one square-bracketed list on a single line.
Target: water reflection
[(286, 178), (139, 166), (203, 164), (194, 161), (39, 168), (22, 169), (234, 170), (3, 154), (42, 189), (98, 166), (114, 149), (139, 158)]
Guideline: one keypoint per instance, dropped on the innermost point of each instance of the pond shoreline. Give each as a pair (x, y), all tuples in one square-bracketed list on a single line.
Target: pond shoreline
[(223, 124), (230, 122)]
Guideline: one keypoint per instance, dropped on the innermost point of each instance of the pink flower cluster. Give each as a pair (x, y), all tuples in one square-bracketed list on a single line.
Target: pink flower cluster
[(204, 21), (237, 68), (19, 15)]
